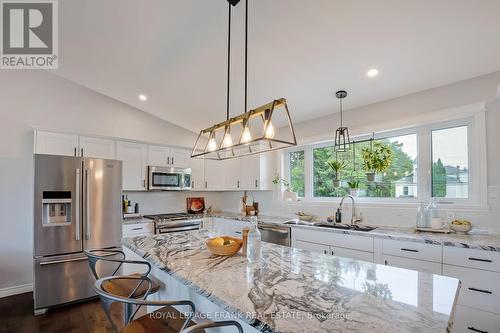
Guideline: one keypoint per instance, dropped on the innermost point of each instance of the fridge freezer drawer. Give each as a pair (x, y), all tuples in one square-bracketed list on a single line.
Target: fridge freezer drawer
[(62, 279)]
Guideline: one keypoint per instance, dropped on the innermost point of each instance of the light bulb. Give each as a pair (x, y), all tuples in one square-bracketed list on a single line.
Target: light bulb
[(269, 130), (212, 144), (246, 136), (227, 141)]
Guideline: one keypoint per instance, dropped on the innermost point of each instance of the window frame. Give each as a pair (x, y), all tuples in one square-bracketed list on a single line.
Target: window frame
[(476, 132)]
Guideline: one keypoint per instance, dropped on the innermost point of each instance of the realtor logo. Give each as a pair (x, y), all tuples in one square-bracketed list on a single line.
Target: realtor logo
[(29, 34)]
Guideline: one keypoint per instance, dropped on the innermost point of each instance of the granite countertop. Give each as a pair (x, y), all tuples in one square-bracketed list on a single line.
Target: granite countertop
[(294, 290), (476, 239)]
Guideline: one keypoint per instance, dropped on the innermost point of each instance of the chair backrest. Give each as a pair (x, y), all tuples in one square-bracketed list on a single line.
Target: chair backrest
[(116, 256), (107, 299)]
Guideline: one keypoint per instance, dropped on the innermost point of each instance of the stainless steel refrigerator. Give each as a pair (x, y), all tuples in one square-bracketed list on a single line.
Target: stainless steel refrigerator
[(77, 206)]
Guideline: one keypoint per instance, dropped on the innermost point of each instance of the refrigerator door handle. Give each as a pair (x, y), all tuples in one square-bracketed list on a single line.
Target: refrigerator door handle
[(88, 234), (77, 205), (61, 261)]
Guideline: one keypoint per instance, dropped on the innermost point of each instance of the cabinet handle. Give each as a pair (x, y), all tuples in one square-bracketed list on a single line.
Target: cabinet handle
[(75, 151), (140, 228), (333, 253), (409, 250), (482, 260), (325, 252), (144, 183), (168, 160), (385, 262), (238, 184), (81, 150), (192, 184), (206, 184), (480, 290), (238, 232), (256, 185), (173, 160), (471, 328)]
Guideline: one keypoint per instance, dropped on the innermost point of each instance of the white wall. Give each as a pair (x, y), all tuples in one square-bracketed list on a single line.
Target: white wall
[(38, 98), (432, 105)]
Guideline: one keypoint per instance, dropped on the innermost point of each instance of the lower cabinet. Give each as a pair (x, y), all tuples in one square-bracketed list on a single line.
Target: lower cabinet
[(414, 264), (228, 227), (468, 320), (137, 229)]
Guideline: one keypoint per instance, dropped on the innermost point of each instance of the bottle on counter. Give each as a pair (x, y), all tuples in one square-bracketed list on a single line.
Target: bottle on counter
[(136, 208), (421, 216), (253, 242), (338, 216), (130, 209), (430, 211)]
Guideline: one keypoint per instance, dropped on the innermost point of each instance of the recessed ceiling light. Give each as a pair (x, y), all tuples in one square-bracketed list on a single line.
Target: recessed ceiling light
[(372, 72), (143, 97)]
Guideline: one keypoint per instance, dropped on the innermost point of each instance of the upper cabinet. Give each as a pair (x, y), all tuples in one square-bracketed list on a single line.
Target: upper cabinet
[(134, 157), (197, 174), (166, 156), (56, 144), (97, 148)]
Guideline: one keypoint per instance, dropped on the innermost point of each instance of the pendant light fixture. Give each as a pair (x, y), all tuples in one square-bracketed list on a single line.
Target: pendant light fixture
[(342, 140), (252, 132)]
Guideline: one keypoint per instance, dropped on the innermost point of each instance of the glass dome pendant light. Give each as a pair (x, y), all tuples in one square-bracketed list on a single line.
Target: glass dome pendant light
[(342, 139), (254, 131)]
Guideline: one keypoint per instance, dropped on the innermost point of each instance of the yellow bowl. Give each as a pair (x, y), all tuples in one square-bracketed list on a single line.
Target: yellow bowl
[(217, 247)]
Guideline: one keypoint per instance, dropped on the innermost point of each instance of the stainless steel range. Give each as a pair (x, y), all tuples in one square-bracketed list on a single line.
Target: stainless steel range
[(175, 222)]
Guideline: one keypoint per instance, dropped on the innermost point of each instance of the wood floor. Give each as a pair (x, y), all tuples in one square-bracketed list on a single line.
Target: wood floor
[(16, 316)]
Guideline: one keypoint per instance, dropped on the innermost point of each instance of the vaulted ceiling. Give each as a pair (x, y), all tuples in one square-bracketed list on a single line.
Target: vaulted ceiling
[(174, 51)]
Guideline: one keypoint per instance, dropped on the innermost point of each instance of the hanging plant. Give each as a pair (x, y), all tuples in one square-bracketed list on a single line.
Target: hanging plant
[(336, 166), (353, 188), (376, 159)]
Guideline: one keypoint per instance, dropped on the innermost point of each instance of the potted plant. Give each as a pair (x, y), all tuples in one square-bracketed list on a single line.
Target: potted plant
[(354, 188), (336, 166), (376, 159), (288, 194)]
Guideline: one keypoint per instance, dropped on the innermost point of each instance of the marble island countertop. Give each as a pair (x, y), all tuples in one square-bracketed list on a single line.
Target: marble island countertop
[(476, 239), (294, 290)]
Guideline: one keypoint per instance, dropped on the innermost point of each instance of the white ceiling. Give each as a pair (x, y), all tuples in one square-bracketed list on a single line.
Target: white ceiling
[(174, 51)]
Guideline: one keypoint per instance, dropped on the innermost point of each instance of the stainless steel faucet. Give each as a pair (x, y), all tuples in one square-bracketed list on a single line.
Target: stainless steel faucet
[(354, 218)]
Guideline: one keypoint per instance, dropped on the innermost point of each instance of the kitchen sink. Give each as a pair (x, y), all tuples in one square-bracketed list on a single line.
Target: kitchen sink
[(300, 222), (345, 226)]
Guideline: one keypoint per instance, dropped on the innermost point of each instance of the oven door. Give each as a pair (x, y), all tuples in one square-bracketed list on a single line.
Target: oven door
[(164, 179)]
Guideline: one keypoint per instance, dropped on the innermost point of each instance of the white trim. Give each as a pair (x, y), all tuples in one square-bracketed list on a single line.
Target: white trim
[(15, 290)]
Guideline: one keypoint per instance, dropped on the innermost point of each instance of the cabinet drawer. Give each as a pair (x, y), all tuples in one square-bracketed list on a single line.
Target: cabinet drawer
[(333, 239), (412, 250), (413, 264), (480, 289), (320, 248), (480, 259), (353, 254), (469, 320), (137, 228)]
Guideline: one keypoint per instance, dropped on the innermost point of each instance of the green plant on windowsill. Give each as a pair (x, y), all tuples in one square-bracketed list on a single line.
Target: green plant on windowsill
[(337, 166), (353, 188), (376, 159), (278, 180)]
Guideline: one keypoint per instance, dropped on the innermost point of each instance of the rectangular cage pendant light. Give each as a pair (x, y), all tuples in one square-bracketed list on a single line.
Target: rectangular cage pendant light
[(250, 133)]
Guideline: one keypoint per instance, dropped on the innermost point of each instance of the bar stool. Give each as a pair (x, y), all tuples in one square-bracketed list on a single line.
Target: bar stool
[(164, 320), (124, 288)]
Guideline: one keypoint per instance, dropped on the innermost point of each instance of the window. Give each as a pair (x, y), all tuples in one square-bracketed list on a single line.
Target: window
[(432, 160), (296, 172), (450, 163), (398, 181)]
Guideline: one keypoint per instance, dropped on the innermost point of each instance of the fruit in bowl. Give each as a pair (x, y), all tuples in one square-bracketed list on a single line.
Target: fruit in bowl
[(461, 226), (224, 245)]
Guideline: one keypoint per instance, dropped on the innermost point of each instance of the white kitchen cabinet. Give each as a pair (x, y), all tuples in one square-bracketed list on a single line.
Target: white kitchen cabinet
[(134, 157), (158, 155), (232, 173), (97, 147), (255, 172), (471, 258), (52, 143), (197, 174), (180, 158), (214, 175), (342, 245), (228, 227), (413, 250), (413, 264), (137, 229), (469, 320), (166, 156), (314, 247)]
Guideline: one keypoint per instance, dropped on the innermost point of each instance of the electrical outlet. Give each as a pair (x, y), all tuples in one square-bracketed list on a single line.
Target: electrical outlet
[(450, 216)]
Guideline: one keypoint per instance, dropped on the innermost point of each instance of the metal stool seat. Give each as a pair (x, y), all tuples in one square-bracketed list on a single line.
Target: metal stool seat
[(124, 288), (165, 320)]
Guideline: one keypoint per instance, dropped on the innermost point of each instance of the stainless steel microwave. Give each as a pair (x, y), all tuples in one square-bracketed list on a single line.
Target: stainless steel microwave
[(169, 178)]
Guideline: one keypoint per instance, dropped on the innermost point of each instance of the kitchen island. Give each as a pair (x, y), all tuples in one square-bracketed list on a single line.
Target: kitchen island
[(294, 290)]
